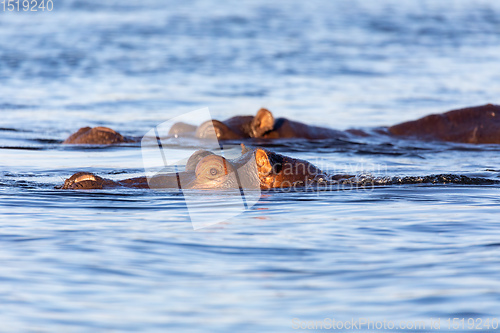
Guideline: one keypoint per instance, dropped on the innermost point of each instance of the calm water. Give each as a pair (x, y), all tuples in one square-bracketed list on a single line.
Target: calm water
[(129, 260)]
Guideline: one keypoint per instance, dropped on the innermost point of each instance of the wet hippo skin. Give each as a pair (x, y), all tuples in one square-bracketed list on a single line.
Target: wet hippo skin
[(264, 126), (477, 125), (256, 168), (96, 135)]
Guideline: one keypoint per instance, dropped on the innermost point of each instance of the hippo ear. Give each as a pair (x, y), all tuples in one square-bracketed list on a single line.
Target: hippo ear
[(263, 122), (263, 163)]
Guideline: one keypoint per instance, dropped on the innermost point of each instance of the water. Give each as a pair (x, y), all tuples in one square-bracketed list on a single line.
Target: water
[(129, 260)]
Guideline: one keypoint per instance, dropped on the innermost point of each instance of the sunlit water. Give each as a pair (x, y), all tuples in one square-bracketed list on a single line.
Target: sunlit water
[(129, 260)]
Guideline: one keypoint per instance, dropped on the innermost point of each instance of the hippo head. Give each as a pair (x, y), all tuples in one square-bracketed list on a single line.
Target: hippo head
[(255, 168), (96, 135), (237, 127), (215, 129)]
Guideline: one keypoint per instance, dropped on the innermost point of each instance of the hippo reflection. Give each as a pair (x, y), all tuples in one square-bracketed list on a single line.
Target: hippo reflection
[(478, 125)]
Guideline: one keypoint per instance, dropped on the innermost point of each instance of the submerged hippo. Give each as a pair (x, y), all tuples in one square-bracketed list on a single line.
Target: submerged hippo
[(256, 168), (479, 124)]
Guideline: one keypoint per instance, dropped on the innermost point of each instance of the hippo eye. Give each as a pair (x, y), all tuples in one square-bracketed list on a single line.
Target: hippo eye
[(212, 167)]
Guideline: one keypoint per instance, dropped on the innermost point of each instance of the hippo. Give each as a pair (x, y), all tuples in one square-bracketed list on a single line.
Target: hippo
[(480, 124), (475, 125), (257, 168)]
